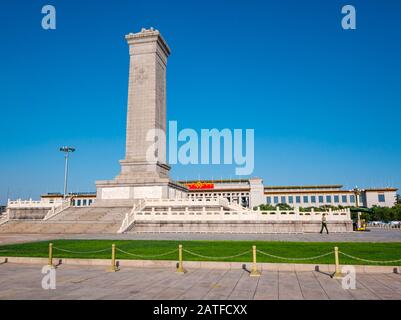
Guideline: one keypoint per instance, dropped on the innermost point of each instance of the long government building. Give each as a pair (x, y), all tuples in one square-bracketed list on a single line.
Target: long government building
[(251, 192)]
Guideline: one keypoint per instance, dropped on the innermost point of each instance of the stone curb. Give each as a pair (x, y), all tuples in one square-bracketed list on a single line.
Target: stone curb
[(329, 268)]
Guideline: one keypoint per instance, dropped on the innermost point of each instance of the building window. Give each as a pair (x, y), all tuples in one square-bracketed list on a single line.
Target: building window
[(381, 198), (320, 199), (336, 199), (298, 199), (283, 200), (306, 199), (290, 199), (344, 199), (276, 199), (328, 199), (78, 202), (268, 200), (313, 199), (352, 198), (89, 202), (84, 202)]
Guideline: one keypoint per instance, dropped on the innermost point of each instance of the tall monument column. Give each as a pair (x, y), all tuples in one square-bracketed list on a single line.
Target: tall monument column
[(146, 104), (142, 176)]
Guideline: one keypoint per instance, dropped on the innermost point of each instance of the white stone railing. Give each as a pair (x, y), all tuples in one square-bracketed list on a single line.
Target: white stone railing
[(187, 202), (236, 206), (31, 204), (56, 209), (277, 215), (129, 218), (4, 218)]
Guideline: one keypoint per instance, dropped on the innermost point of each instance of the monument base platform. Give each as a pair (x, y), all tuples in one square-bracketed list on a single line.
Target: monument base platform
[(139, 189), (238, 226)]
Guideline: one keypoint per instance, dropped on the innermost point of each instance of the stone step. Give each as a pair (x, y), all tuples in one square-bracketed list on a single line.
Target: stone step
[(103, 203)]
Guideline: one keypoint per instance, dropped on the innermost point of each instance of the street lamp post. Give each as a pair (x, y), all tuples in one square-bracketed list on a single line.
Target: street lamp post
[(66, 151), (357, 193)]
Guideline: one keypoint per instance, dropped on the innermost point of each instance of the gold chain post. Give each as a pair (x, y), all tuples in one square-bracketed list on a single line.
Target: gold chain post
[(254, 271), (113, 267), (180, 268), (50, 263), (337, 274)]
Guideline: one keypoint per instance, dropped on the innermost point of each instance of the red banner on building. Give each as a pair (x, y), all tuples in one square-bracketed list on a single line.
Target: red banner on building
[(200, 185)]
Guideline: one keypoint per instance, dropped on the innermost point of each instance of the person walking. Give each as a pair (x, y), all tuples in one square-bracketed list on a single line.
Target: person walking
[(324, 224)]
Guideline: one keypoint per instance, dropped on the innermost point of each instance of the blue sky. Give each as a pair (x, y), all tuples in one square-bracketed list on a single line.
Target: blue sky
[(325, 103)]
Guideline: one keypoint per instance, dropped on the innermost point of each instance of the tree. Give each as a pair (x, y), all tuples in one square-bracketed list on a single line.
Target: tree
[(284, 206), (269, 207), (398, 199)]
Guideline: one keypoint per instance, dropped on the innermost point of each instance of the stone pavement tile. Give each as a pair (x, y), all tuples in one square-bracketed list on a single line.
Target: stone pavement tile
[(396, 277), (388, 283), (310, 286), (391, 282), (361, 292), (85, 293), (370, 281), (205, 283), (24, 282), (123, 284), (144, 288), (21, 294), (223, 288), (18, 278), (267, 288), (288, 287), (332, 287), (171, 287), (245, 288), (139, 280), (183, 283)]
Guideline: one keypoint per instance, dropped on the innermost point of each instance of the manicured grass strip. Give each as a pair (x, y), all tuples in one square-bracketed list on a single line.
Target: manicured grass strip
[(371, 251)]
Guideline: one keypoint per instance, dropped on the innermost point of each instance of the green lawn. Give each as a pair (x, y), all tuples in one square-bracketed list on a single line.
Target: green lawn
[(149, 248)]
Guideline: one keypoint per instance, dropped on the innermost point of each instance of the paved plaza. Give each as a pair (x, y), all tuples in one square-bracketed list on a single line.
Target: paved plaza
[(19, 281), (375, 235)]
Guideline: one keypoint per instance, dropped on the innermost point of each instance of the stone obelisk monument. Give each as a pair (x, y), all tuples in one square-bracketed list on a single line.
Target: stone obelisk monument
[(144, 176)]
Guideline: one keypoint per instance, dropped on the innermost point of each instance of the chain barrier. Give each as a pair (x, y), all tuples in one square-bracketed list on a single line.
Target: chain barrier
[(225, 257), (216, 258), (147, 256), (299, 259), (81, 252), (366, 260)]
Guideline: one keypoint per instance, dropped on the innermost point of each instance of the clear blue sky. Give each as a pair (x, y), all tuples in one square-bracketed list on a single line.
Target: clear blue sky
[(325, 103)]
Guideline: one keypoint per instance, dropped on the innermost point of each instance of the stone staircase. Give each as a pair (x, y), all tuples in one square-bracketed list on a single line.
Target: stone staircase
[(73, 220)]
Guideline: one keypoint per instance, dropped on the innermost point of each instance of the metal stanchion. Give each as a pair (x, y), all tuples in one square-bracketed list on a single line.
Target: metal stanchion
[(337, 274), (254, 271), (180, 268), (113, 267)]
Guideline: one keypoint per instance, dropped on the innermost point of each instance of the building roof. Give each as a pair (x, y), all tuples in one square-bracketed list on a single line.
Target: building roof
[(334, 186)]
